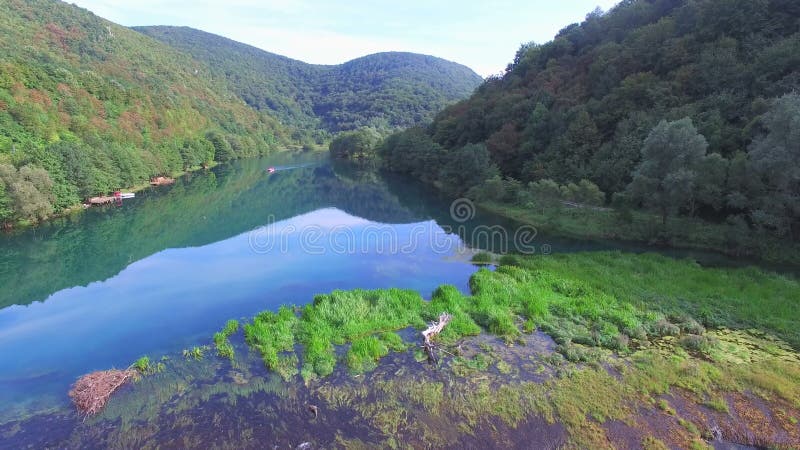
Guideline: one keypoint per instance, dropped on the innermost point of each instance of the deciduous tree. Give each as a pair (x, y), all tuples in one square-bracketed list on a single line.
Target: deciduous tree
[(666, 177)]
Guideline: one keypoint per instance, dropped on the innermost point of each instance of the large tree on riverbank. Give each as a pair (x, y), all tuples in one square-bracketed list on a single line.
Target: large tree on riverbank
[(774, 158), (667, 176)]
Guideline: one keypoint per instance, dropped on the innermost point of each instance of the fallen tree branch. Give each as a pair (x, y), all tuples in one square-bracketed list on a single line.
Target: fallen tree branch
[(434, 329), (91, 392)]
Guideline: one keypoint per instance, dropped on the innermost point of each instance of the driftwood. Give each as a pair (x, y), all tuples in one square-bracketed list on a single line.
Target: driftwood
[(91, 392), (434, 329)]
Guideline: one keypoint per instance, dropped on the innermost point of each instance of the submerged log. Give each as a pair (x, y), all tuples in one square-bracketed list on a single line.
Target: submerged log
[(91, 392), (434, 329)]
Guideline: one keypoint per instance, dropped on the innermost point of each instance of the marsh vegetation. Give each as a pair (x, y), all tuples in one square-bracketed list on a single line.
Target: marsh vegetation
[(576, 346)]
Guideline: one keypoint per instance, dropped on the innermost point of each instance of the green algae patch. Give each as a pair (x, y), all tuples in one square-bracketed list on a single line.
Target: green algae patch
[(349, 316), (147, 367), (364, 319)]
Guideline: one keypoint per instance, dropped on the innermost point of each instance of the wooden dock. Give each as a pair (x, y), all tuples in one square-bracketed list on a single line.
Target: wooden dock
[(161, 181), (103, 200)]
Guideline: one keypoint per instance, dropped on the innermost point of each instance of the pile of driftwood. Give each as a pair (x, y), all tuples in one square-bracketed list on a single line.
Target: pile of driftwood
[(434, 329), (91, 392)]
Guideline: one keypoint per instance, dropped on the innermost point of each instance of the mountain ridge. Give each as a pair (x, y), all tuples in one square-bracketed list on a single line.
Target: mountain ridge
[(337, 97)]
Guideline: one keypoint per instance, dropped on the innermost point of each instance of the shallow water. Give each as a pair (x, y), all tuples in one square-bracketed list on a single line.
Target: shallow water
[(165, 270)]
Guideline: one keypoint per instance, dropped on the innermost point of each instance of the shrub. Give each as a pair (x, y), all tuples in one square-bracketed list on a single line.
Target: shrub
[(663, 328), (482, 258), (697, 343)]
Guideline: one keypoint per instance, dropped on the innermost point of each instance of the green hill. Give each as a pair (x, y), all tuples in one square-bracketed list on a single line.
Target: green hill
[(385, 90), (99, 107), (685, 107), (88, 106)]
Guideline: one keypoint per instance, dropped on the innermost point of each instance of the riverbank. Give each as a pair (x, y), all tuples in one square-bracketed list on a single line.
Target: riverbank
[(643, 227), (585, 350), (23, 224)]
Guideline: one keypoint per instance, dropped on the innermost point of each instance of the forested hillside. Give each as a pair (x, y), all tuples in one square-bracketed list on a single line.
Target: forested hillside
[(88, 106), (384, 91), (684, 107)]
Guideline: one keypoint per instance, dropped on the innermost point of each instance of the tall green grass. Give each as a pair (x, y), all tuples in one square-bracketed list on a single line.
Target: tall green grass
[(224, 347), (585, 301), (716, 297)]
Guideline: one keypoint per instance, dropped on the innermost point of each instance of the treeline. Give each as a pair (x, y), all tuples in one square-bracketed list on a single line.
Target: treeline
[(686, 108), (357, 145), (385, 91), (87, 107)]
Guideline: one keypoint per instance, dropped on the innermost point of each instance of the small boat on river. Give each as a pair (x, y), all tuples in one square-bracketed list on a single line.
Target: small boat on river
[(271, 170)]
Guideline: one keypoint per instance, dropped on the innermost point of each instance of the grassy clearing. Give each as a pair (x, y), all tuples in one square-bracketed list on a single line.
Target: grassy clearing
[(681, 292)]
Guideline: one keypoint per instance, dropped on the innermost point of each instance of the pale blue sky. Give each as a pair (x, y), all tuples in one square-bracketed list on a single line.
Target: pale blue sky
[(483, 35)]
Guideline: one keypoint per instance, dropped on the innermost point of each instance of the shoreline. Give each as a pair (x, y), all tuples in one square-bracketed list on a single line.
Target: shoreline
[(74, 209), (774, 252)]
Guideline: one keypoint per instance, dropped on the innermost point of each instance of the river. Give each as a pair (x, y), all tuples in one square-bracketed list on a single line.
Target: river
[(165, 270)]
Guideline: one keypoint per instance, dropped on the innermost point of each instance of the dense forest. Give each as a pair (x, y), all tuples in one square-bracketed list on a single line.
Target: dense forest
[(87, 106), (383, 91), (685, 108)]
